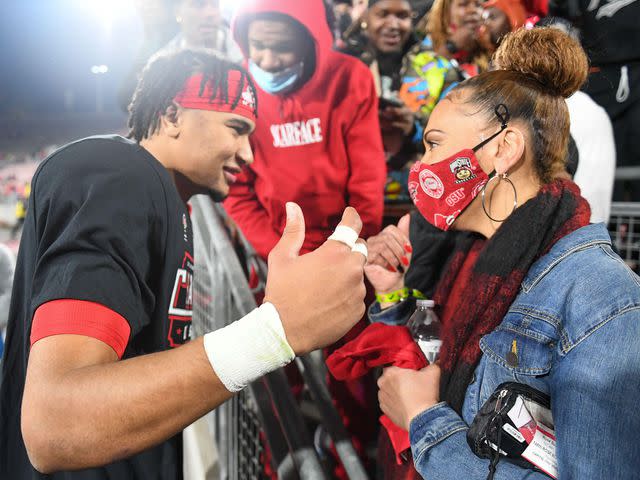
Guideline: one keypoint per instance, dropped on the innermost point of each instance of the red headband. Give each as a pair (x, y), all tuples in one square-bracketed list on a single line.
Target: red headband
[(190, 96)]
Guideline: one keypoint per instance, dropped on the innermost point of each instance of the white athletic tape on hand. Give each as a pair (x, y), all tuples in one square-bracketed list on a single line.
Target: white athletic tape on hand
[(248, 348), (344, 234), (361, 248)]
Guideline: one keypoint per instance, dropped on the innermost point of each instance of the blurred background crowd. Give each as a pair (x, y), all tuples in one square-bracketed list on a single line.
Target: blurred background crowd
[(71, 68)]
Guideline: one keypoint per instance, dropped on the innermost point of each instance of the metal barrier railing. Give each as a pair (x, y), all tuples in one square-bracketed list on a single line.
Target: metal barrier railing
[(264, 422), (624, 228)]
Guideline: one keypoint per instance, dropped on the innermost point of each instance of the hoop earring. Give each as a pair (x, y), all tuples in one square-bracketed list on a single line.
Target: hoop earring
[(502, 176)]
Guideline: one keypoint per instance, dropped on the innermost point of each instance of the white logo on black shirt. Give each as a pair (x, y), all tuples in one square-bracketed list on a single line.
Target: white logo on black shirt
[(181, 306), (610, 9)]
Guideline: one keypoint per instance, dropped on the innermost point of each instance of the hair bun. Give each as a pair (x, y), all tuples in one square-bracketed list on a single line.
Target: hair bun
[(549, 55)]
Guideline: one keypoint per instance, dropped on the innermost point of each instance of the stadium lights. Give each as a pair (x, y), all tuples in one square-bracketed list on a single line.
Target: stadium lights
[(107, 11), (97, 69)]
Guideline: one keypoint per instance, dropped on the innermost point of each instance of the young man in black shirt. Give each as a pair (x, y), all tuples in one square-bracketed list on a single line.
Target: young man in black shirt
[(92, 386)]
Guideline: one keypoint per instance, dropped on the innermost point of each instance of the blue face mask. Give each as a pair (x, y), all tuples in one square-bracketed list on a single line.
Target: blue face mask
[(278, 82)]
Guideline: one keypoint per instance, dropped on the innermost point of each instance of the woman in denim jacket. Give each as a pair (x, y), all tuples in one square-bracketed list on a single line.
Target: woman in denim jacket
[(535, 294)]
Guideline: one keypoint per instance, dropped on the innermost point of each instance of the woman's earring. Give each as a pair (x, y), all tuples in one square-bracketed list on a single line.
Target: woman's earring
[(502, 176)]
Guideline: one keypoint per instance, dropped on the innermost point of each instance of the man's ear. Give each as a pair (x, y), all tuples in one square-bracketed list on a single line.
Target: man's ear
[(172, 120), (511, 148)]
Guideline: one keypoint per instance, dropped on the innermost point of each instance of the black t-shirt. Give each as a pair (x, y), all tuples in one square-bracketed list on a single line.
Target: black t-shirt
[(609, 29), (105, 225)]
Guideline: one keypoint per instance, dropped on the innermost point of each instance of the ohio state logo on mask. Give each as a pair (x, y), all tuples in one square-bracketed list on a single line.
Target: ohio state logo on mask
[(461, 168), (443, 190)]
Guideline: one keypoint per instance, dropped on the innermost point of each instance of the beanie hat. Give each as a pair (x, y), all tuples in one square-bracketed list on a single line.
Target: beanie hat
[(513, 9)]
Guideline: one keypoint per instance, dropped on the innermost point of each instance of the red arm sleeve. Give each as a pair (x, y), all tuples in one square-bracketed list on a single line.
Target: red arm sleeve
[(79, 317), (366, 157), (245, 209)]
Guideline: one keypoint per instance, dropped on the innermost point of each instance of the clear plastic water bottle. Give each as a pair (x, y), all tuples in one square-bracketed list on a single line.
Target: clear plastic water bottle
[(424, 326)]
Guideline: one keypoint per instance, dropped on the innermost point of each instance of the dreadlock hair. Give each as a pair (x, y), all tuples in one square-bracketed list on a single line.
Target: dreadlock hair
[(164, 77)]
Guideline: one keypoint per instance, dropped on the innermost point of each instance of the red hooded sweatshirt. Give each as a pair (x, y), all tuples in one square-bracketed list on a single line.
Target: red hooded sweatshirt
[(318, 146)]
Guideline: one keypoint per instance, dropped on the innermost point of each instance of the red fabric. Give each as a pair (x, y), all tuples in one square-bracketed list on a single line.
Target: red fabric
[(317, 146), (457, 295), (442, 190), (377, 346), (388, 468), (537, 7), (191, 96), (80, 317), (355, 400)]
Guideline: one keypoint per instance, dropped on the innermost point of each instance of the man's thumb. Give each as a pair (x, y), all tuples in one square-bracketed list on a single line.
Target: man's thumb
[(293, 236), (403, 224)]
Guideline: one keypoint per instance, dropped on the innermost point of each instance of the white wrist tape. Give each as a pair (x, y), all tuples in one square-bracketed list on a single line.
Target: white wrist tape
[(361, 248), (346, 235), (248, 348)]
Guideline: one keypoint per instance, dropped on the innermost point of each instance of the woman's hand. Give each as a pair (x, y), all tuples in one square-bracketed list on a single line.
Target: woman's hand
[(406, 393), (389, 253)]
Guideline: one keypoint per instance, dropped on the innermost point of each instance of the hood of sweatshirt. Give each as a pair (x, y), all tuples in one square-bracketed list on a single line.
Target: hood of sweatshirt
[(310, 14)]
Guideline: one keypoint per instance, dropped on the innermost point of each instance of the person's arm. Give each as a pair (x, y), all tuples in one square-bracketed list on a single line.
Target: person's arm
[(252, 218), (593, 135), (439, 447), (438, 435), (368, 170), (594, 392), (82, 407), (594, 402)]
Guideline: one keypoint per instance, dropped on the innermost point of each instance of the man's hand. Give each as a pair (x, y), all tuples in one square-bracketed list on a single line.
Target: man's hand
[(389, 253), (319, 296), (406, 393)]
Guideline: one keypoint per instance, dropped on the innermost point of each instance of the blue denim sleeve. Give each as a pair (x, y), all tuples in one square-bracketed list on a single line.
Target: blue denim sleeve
[(594, 393), (397, 314), (440, 450)]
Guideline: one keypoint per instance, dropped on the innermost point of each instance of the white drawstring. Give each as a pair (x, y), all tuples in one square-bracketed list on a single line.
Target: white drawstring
[(623, 88)]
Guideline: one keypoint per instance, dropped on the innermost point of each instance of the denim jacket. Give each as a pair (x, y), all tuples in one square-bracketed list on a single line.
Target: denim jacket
[(576, 321)]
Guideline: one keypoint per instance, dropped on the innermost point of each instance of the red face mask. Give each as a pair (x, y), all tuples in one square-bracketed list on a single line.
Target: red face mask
[(443, 190)]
